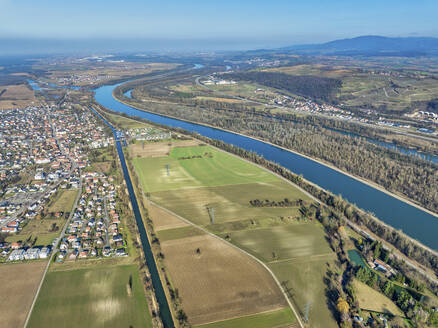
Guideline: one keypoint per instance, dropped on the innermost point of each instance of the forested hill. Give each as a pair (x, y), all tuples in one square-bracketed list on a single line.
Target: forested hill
[(320, 88), (373, 45)]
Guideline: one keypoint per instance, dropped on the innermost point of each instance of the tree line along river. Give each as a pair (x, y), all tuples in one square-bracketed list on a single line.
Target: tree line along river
[(391, 210)]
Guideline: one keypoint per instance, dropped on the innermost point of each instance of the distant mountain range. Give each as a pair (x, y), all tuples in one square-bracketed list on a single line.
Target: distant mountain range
[(372, 45)]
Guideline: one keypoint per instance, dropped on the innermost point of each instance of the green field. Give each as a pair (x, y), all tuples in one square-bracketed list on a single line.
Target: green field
[(287, 242), (294, 248), (64, 201), (304, 279), (126, 123), (93, 297), (42, 239), (177, 233), (40, 229), (372, 300), (298, 254), (214, 168), (214, 179), (278, 318)]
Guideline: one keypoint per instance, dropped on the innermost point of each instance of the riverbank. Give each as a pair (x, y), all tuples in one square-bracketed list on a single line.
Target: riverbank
[(358, 178), (428, 274)]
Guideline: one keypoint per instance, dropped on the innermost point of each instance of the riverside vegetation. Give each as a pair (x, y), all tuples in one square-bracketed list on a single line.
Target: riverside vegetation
[(340, 279), (402, 174)]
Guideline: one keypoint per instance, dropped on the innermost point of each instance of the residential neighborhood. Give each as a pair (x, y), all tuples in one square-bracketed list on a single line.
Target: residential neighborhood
[(46, 153)]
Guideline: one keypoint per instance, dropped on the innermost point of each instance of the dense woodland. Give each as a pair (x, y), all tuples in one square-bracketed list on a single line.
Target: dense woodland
[(403, 174), (315, 87)]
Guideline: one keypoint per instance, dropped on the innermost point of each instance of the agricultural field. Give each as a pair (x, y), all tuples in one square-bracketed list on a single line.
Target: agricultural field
[(371, 300), (158, 149), (221, 99), (278, 318), (299, 256), (164, 220), (98, 296), (21, 282), (220, 282), (13, 96), (225, 93), (126, 123), (191, 180), (289, 242), (85, 74), (212, 179)]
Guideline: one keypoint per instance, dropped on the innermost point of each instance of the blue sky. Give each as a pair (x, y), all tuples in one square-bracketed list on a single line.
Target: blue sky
[(268, 22)]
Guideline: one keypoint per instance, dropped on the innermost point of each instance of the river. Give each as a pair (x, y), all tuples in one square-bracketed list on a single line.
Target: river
[(401, 215)]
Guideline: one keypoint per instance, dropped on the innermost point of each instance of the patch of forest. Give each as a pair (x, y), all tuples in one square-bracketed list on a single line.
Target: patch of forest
[(316, 87)]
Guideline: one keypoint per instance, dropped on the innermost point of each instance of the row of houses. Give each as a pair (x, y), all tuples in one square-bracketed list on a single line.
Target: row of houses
[(31, 253)]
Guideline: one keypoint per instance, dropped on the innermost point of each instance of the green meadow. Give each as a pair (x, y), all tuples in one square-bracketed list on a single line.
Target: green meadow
[(98, 296), (201, 178), (279, 318)]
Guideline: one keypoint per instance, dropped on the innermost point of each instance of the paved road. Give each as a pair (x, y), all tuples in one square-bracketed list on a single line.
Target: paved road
[(54, 251), (40, 195)]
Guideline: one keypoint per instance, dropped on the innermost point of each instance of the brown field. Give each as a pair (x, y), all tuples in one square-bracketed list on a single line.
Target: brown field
[(15, 96), (219, 99), (103, 167), (20, 283), (221, 283), (158, 149), (163, 219)]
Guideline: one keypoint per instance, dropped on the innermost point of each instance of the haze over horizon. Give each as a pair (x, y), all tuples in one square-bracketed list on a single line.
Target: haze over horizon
[(203, 25)]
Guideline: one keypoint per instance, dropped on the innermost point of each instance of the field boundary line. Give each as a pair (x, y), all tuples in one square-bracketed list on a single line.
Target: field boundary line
[(245, 252), (309, 258)]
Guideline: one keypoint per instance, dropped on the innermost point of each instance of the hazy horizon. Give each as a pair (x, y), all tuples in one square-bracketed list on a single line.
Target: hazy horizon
[(29, 27)]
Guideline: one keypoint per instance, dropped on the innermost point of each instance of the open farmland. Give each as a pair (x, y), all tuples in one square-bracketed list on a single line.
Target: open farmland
[(304, 280), (21, 282), (13, 96), (278, 318), (93, 297), (158, 149), (287, 242), (220, 282), (164, 220), (214, 179), (299, 255), (201, 166), (294, 248)]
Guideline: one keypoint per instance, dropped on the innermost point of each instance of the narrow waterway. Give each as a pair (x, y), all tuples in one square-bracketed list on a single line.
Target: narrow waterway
[(165, 314), (410, 219)]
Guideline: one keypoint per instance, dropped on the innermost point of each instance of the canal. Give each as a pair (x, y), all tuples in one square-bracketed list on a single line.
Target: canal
[(165, 313)]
